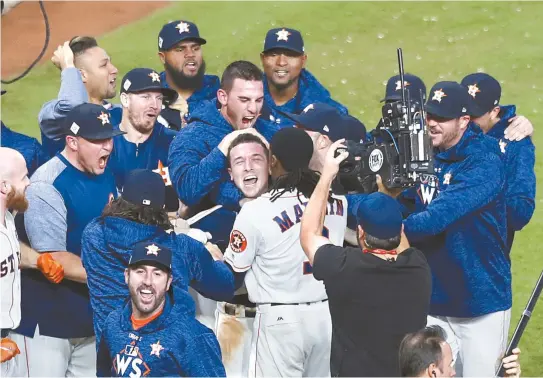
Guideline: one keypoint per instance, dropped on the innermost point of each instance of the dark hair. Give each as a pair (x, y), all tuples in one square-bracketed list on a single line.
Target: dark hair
[(420, 349), (304, 180), (387, 244), (81, 44), (121, 208), (240, 69), (246, 138)]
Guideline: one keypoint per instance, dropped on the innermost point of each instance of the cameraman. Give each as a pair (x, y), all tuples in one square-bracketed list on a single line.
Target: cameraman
[(426, 353), (367, 287)]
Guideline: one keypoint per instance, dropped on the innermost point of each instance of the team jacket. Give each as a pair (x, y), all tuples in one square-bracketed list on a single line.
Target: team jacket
[(208, 91), (462, 212), (519, 160), (107, 244), (197, 167), (174, 344), (29, 147), (309, 91)]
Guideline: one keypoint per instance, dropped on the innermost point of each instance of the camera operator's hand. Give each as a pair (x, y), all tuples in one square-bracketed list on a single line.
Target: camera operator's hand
[(393, 192), (332, 162)]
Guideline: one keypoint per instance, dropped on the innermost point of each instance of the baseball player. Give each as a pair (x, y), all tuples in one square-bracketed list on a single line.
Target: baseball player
[(292, 328), (138, 215), (248, 160), (146, 142), (13, 255), (87, 75), (65, 194), (462, 229), (288, 86), (180, 51), (150, 335)]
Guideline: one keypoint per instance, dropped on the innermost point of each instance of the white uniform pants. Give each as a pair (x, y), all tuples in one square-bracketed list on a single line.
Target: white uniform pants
[(291, 341), (44, 356), (234, 334), (477, 343), (205, 309)]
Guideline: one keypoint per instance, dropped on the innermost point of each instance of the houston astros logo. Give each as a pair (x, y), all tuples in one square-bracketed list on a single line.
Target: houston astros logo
[(282, 35), (238, 242), (154, 76), (183, 27), (152, 250), (399, 84), (438, 95), (473, 90), (104, 118), (156, 348)]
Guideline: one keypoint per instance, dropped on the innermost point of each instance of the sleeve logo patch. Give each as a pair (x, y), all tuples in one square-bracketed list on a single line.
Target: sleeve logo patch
[(238, 242)]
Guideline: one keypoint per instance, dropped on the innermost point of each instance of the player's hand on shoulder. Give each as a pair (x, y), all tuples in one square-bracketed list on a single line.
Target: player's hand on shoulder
[(519, 128), (228, 139), (214, 251), (8, 349), (63, 57), (333, 160)]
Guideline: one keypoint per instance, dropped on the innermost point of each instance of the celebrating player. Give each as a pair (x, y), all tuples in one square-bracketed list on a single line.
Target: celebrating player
[(151, 335), (265, 250)]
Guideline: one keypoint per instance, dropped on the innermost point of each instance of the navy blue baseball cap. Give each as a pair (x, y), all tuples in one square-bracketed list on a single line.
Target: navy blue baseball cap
[(146, 79), (91, 122), (484, 93), (447, 99), (284, 38), (379, 215), (177, 31), (327, 120), (151, 253), (413, 84), (144, 188)]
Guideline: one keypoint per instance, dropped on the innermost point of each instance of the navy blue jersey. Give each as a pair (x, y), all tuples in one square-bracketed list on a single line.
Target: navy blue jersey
[(173, 344), (106, 248), (462, 211), (29, 147), (309, 92)]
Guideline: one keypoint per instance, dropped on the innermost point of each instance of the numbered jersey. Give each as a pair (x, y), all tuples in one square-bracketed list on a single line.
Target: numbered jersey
[(265, 243), (10, 273)]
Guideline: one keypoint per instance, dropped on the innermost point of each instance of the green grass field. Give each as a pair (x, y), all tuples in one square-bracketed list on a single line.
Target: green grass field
[(352, 50)]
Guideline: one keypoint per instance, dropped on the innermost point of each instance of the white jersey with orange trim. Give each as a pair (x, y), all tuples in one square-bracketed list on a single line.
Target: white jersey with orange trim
[(10, 273), (265, 243)]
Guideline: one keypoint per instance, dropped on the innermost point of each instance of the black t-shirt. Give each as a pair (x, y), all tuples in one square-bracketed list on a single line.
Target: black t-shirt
[(374, 303)]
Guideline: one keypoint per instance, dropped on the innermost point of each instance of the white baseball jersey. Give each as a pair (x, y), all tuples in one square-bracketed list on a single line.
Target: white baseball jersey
[(265, 242), (10, 274)]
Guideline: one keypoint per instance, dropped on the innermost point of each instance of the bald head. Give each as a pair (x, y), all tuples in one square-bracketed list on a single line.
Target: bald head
[(12, 163)]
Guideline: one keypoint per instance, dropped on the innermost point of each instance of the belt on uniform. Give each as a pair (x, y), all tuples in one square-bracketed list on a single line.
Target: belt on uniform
[(297, 304), (239, 311), (4, 332)]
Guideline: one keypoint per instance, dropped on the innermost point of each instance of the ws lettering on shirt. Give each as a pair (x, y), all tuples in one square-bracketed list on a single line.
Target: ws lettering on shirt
[(265, 243)]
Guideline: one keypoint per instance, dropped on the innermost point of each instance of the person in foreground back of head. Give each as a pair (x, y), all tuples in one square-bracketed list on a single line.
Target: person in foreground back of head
[(377, 292), (150, 335), (426, 353)]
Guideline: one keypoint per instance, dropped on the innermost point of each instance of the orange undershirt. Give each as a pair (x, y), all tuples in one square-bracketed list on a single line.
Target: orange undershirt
[(138, 323)]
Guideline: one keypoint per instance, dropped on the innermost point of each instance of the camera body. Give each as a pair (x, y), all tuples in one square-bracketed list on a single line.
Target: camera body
[(400, 150)]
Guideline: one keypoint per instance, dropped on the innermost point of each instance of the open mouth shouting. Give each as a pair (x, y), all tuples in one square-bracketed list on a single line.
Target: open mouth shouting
[(146, 295), (250, 180), (248, 121), (102, 161)]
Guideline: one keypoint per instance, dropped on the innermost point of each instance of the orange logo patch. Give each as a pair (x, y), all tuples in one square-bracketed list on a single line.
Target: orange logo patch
[(238, 242)]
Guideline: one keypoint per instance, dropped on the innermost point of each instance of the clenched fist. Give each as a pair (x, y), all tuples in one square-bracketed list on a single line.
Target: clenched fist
[(51, 269), (63, 57), (8, 349)]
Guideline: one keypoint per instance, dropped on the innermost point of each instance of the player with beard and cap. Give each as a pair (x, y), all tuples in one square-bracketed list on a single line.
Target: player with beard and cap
[(13, 255), (519, 155), (146, 142), (180, 51), (150, 335), (265, 253), (64, 195), (87, 75), (288, 86), (462, 229)]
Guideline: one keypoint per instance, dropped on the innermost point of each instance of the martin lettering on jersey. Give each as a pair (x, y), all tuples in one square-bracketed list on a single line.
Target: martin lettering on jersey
[(7, 266), (129, 362), (428, 189), (284, 220)]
